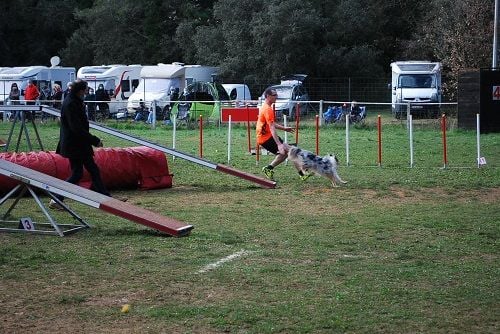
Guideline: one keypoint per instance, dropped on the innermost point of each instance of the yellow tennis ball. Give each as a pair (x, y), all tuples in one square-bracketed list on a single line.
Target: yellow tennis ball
[(125, 308)]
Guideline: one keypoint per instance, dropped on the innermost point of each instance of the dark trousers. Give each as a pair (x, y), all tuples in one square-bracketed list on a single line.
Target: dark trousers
[(77, 165)]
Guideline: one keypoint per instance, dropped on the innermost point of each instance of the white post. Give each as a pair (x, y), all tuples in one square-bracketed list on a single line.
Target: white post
[(478, 130), (408, 113), (229, 141), (347, 117), (286, 135), (285, 124), (495, 25), (153, 114), (410, 123), (174, 128), (320, 112)]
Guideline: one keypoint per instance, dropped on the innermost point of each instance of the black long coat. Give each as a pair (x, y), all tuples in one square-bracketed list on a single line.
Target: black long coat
[(75, 140)]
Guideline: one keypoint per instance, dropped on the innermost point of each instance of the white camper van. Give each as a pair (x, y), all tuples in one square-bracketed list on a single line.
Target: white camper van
[(120, 81), (417, 83), (239, 94), (42, 75), (159, 82)]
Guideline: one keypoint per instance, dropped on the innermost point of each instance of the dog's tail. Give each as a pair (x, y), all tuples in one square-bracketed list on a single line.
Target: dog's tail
[(335, 161)]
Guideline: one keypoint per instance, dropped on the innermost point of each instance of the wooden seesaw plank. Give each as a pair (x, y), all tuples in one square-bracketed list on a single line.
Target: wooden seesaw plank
[(96, 200), (173, 152)]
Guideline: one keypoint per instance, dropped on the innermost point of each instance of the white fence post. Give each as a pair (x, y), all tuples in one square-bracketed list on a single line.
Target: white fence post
[(229, 141), (320, 112), (347, 117), (478, 132), (410, 122)]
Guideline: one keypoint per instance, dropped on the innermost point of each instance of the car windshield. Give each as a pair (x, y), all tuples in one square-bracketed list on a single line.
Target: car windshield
[(417, 81), (284, 92)]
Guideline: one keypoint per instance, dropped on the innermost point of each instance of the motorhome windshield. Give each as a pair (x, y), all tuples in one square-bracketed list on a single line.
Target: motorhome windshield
[(108, 84), (417, 81), (157, 85)]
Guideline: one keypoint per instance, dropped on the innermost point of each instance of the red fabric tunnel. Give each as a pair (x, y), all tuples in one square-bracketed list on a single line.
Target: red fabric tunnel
[(134, 167)]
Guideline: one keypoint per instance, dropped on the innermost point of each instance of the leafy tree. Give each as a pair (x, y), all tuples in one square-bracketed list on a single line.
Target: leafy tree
[(33, 31), (457, 33), (286, 36)]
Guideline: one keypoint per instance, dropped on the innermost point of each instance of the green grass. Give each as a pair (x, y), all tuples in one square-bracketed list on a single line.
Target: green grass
[(397, 249)]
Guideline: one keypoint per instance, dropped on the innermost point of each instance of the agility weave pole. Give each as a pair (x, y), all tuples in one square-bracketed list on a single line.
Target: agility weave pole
[(53, 186)]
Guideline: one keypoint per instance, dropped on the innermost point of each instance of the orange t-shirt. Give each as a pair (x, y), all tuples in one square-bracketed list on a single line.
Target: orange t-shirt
[(266, 117)]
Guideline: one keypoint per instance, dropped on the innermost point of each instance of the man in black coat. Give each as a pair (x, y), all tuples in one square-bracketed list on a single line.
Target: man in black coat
[(75, 140)]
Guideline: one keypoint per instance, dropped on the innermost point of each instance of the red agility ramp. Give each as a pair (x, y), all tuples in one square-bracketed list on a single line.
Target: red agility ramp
[(52, 186)]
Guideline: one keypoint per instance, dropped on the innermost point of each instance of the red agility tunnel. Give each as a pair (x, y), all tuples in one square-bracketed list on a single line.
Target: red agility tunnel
[(134, 167)]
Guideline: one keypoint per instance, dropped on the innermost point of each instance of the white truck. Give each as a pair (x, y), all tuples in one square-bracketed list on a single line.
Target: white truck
[(417, 83), (159, 82), (120, 81), (42, 75)]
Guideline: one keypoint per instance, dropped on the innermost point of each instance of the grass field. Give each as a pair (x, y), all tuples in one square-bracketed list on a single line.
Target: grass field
[(396, 250)]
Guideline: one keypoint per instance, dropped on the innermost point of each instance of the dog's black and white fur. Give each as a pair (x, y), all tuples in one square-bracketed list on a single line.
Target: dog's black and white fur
[(308, 162)]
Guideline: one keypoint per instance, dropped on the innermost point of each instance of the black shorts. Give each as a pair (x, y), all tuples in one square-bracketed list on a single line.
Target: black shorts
[(271, 146)]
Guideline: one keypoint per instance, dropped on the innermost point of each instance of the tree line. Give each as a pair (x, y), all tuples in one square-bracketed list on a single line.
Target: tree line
[(251, 39)]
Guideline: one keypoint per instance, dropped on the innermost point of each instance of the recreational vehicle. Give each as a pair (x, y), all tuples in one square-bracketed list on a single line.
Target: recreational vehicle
[(417, 83), (159, 83), (42, 75), (120, 81)]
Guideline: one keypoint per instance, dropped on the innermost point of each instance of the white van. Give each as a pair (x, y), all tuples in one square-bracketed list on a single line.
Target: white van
[(417, 83), (156, 84), (42, 75), (239, 94), (120, 81)]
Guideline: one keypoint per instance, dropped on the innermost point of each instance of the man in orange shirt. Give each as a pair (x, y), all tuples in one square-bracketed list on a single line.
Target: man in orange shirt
[(266, 133)]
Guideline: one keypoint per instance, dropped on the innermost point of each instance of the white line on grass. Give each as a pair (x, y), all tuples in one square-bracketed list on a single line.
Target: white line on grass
[(217, 264)]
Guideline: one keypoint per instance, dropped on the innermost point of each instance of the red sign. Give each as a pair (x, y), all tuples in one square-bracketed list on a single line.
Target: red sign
[(240, 114)]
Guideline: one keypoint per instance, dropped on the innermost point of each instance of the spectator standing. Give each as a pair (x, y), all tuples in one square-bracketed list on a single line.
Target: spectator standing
[(76, 141), (31, 93), (68, 89), (90, 103), (101, 96), (57, 95), (14, 94)]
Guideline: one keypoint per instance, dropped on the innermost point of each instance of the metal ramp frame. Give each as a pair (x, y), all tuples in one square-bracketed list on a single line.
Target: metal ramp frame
[(20, 115), (29, 226), (30, 179)]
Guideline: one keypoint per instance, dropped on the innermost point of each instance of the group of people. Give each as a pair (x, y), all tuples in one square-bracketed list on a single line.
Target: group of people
[(32, 94), (96, 102)]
